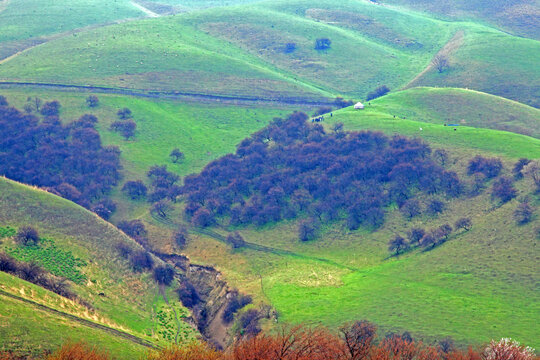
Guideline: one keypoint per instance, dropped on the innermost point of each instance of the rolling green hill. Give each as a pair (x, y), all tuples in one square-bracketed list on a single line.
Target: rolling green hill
[(242, 51), (127, 306), (518, 16), (460, 106)]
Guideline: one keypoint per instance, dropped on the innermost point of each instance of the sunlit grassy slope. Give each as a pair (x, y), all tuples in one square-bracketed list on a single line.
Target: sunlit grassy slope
[(241, 51), (129, 300), (464, 107), (23, 19), (29, 329)]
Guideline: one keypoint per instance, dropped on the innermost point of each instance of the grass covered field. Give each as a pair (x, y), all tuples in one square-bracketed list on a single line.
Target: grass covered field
[(464, 107), (25, 19)]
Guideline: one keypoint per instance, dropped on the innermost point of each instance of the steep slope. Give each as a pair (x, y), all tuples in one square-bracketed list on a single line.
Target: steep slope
[(120, 299), (518, 16)]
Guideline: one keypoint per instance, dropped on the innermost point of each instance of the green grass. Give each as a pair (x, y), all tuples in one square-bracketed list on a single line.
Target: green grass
[(239, 51), (59, 262), (495, 63), (519, 17), (79, 234), (478, 286), (465, 139), (29, 330), (465, 107), (24, 19)]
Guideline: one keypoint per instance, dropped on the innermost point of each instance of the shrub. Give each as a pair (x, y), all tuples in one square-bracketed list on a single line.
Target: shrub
[(27, 235), (133, 228), (181, 237), (188, 295), (202, 218), (135, 189), (415, 235), (507, 349), (236, 302), (489, 167), (463, 223), (378, 92), (323, 44), (176, 155), (51, 108), (411, 208), (397, 244), (340, 102), (289, 48), (124, 250), (124, 114), (164, 275), (7, 263), (504, 190), (141, 260), (193, 351), (78, 351), (523, 213), (307, 229), (3, 101), (236, 240), (322, 110), (92, 101), (249, 322), (435, 207)]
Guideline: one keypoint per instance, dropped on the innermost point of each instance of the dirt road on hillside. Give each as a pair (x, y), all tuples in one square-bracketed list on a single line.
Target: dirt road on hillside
[(84, 322), (171, 95), (448, 49)]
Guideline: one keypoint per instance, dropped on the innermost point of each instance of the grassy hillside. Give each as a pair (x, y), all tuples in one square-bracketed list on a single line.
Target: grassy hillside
[(24, 305), (129, 301), (157, 54), (18, 17), (495, 63), (460, 106), (241, 51), (517, 16)]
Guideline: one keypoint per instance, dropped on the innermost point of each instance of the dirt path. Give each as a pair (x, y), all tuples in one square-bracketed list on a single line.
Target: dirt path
[(84, 322), (173, 95), (448, 49), (148, 12)]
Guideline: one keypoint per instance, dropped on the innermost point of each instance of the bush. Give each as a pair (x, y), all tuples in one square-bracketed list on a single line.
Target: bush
[(415, 235), (124, 114), (322, 110), (141, 260), (135, 189), (435, 207), (236, 302), (236, 240), (164, 275), (133, 228), (411, 208), (523, 213), (307, 229), (181, 237), (92, 101), (7, 263), (489, 167), (323, 44), (397, 244), (188, 295), (378, 92), (124, 250), (463, 223), (78, 351), (289, 48), (504, 190), (51, 108), (249, 322), (27, 235), (340, 102)]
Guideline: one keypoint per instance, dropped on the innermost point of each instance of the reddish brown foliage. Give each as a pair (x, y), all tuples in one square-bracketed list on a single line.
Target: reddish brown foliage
[(78, 351)]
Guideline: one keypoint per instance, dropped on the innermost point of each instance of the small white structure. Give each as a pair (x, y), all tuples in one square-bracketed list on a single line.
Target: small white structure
[(359, 106)]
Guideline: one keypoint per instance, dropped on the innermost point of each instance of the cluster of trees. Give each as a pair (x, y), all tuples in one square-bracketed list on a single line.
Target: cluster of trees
[(292, 168), (126, 126), (378, 92), (419, 237), (68, 160), (355, 341)]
